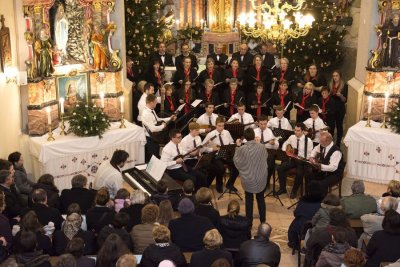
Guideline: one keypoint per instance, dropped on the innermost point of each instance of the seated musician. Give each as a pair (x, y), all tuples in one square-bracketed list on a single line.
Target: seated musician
[(147, 90), (265, 136), (208, 118), (151, 123), (279, 121), (299, 145), (223, 138), (192, 141), (328, 163), (209, 94), (173, 154), (314, 124), (232, 97), (242, 117)]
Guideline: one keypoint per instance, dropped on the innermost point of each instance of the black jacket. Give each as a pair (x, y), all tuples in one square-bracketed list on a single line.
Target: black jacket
[(43, 243), (214, 98), (265, 77), (304, 114), (180, 76), (123, 234), (235, 230), (289, 76), (246, 62), (227, 99), (134, 211), (154, 254), (252, 100), (223, 59), (239, 75), (84, 261), (53, 199), (209, 212), (259, 251), (46, 214), (383, 247), (206, 257), (98, 217), (82, 196), (217, 77), (179, 61), (60, 242), (167, 59), (12, 201), (268, 61), (188, 231)]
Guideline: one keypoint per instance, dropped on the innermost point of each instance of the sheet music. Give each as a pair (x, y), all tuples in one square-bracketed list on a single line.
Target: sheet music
[(180, 107), (141, 167), (298, 105), (170, 68), (156, 168), (288, 105), (168, 83), (217, 84), (196, 102)]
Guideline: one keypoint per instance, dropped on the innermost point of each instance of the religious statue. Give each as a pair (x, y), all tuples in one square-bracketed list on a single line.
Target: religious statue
[(99, 49), (390, 40), (169, 21), (43, 49), (61, 30), (220, 13), (75, 43)]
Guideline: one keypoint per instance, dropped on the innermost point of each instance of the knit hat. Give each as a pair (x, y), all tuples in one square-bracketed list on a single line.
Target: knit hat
[(186, 206)]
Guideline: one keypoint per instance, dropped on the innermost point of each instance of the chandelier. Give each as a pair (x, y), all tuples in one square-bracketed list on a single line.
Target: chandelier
[(279, 21)]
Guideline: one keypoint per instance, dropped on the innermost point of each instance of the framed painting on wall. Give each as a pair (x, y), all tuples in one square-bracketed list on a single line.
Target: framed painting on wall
[(5, 46)]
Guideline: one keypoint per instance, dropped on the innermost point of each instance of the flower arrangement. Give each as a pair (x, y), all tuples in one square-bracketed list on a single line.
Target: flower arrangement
[(190, 33), (88, 120)]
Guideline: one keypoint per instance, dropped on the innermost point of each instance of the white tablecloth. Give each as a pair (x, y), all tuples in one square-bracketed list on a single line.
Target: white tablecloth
[(373, 153), (70, 155)]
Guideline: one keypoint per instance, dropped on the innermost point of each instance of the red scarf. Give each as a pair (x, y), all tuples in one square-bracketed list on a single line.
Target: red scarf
[(187, 106), (258, 112), (324, 102), (334, 89), (258, 73), (303, 102), (171, 104), (234, 72), (282, 97), (231, 109), (186, 72), (210, 74), (282, 75), (158, 77), (208, 96)]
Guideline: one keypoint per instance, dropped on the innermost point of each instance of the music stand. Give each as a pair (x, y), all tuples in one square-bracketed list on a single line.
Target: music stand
[(227, 152), (280, 155), (235, 129), (285, 134), (204, 160)]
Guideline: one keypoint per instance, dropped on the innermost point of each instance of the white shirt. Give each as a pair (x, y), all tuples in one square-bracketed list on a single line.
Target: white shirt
[(225, 135), (268, 135), (247, 118), (188, 144), (319, 124), (141, 106), (274, 123), (169, 152), (150, 120), (292, 140), (333, 161), (205, 119), (109, 177)]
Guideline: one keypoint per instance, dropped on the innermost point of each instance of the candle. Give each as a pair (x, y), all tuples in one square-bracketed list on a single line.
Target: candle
[(62, 105), (385, 106), (102, 99), (369, 104), (177, 24), (122, 103), (48, 111)]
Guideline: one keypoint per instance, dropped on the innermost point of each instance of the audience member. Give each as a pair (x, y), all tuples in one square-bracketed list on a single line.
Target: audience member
[(101, 214), (65, 260), (166, 212), (259, 250), (188, 230), (21, 180), (113, 248), (5, 229), (122, 199), (45, 213), (393, 190), (13, 205), (333, 254), (353, 258), (162, 249), (383, 245), (118, 226), (167, 263), (127, 260), (74, 208), (162, 192), (46, 182), (358, 203), (76, 247), (71, 229), (188, 191), (222, 262), (235, 229), (141, 234), (204, 206), (211, 252), (138, 199), (77, 194), (321, 218), (30, 222)]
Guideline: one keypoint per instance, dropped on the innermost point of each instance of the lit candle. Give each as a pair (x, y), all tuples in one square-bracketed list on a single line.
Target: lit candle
[(121, 99), (48, 111), (385, 106), (177, 24), (369, 104), (62, 105), (102, 99)]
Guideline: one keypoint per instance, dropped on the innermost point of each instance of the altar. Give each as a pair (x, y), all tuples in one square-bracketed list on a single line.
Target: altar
[(70, 155), (373, 153)]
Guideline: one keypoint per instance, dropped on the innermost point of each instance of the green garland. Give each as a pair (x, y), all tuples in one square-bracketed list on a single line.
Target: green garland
[(394, 117), (88, 120)]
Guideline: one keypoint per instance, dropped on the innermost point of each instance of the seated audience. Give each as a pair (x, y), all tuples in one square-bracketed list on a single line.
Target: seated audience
[(71, 229), (353, 258), (46, 182), (141, 234), (122, 199), (205, 208), (162, 249), (5, 229), (101, 214), (384, 245), (113, 248), (321, 218), (13, 205), (45, 213), (188, 230), (30, 222), (333, 254), (358, 203), (211, 252), (77, 194), (74, 208), (21, 180), (373, 222), (188, 191), (306, 208), (222, 262), (76, 247), (138, 199), (29, 254), (127, 260), (162, 193), (118, 226), (393, 190), (259, 250), (65, 260), (109, 173), (166, 212), (235, 229)]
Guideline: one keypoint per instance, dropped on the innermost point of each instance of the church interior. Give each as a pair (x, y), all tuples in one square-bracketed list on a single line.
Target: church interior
[(137, 95)]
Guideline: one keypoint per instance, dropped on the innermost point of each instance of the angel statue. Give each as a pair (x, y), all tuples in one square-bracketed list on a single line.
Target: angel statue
[(169, 21), (43, 50), (99, 49)]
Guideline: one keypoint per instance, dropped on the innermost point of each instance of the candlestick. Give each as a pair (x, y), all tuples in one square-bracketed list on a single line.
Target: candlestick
[(122, 121), (62, 126), (61, 105), (383, 125), (48, 111), (50, 135), (368, 120), (369, 104), (385, 106), (102, 99), (121, 99)]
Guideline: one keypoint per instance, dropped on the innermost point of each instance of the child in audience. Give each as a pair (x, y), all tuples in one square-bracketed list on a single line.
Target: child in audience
[(122, 199)]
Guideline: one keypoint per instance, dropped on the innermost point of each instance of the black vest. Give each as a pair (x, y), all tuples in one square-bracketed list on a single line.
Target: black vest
[(325, 160)]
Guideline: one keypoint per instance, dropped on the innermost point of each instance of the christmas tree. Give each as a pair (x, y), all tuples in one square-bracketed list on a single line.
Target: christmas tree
[(322, 45), (142, 30)]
